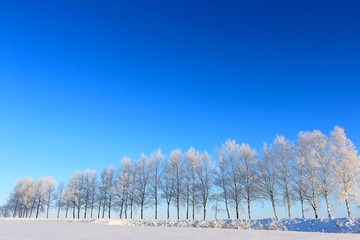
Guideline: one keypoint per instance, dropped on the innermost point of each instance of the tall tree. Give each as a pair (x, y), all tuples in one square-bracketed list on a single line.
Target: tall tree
[(229, 155), (142, 182), (346, 166), (176, 173), (89, 176), (325, 174), (268, 179), (282, 152), (60, 190), (191, 183), (167, 186), (204, 168), (155, 163), (249, 176), (49, 189), (306, 157)]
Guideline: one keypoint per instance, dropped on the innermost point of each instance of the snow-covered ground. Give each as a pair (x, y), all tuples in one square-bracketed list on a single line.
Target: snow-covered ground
[(12, 229)]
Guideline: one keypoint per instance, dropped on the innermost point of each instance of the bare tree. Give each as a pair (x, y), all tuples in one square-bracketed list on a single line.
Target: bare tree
[(282, 152), (191, 183), (229, 157), (107, 190), (142, 182), (249, 176), (74, 192), (306, 157), (325, 174), (268, 179), (155, 163), (204, 168), (346, 166), (59, 197), (49, 189), (176, 173), (167, 186), (89, 176), (123, 184)]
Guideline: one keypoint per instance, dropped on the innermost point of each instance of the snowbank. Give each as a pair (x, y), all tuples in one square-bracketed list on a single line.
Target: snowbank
[(336, 225)]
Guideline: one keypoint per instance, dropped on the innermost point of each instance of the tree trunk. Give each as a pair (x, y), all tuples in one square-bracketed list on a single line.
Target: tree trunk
[(38, 208), (248, 206), (204, 211), (156, 204), (327, 204), (142, 210), (288, 201), (273, 206), (347, 206), (237, 209), (168, 210), (48, 206)]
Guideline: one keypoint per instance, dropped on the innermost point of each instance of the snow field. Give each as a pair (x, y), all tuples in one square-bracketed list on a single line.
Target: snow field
[(104, 230)]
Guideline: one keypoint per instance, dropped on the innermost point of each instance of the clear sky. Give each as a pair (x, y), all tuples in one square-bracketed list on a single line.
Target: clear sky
[(83, 83)]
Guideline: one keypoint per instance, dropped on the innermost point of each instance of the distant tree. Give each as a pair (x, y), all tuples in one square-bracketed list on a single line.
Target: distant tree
[(204, 169), (142, 182), (122, 185), (268, 179), (176, 173), (222, 181), (58, 197), (74, 192), (249, 176), (346, 166), (155, 164), (89, 176), (167, 186), (307, 157), (325, 174), (229, 157), (283, 153), (107, 184), (191, 183), (49, 189)]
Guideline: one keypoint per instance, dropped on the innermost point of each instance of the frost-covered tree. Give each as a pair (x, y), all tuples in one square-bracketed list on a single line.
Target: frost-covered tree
[(123, 185), (191, 184), (45, 188), (155, 163), (142, 182), (203, 168), (222, 181), (107, 189), (268, 179), (167, 186), (22, 198), (49, 189), (229, 157), (306, 157), (249, 176), (74, 195), (282, 151), (346, 166), (325, 174), (58, 197), (176, 174), (89, 176)]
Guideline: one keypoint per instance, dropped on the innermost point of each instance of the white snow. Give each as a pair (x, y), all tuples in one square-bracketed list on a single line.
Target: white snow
[(102, 229)]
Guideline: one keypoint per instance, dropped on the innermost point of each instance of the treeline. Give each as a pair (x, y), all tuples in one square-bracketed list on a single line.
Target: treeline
[(309, 171)]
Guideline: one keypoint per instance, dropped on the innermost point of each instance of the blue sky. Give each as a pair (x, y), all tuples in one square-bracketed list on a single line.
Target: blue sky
[(82, 84)]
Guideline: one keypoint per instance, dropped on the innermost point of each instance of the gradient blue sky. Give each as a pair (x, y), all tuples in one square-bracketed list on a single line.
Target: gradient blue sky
[(83, 83)]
